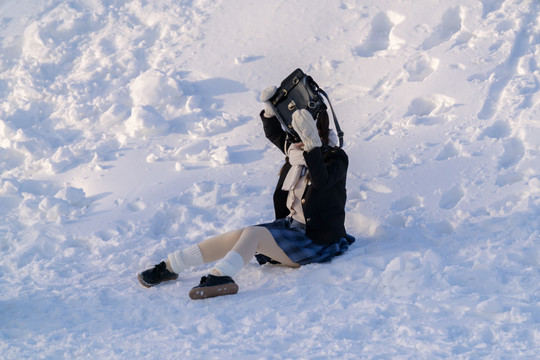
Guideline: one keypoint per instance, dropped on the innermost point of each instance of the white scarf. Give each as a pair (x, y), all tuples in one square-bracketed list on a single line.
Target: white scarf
[(296, 158)]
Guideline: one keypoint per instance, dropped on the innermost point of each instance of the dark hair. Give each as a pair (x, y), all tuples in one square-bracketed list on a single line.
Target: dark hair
[(323, 125)]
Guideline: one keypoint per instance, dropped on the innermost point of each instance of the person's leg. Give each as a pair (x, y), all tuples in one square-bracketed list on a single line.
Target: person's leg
[(208, 250), (216, 247), (240, 254), (251, 240), (269, 247), (219, 281), (234, 249)]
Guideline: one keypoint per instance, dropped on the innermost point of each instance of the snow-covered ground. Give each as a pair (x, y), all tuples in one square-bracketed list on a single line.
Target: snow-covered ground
[(130, 128)]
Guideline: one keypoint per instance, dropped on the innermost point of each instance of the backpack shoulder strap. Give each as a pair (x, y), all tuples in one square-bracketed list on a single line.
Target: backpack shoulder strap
[(336, 123)]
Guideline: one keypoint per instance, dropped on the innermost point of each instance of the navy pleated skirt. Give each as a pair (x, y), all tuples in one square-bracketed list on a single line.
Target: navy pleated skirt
[(291, 238)]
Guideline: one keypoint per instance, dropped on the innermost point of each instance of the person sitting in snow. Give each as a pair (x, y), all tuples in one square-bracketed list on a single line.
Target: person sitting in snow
[(309, 204)]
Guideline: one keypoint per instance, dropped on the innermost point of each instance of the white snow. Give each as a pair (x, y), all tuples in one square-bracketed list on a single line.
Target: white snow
[(130, 128)]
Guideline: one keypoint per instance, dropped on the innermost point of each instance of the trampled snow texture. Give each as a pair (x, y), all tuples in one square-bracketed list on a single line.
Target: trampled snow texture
[(130, 128)]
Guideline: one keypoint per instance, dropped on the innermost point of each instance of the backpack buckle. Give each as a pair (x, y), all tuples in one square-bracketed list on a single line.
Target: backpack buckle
[(291, 106)]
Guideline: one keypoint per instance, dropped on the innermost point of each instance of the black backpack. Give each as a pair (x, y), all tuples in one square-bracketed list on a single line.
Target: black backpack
[(300, 91)]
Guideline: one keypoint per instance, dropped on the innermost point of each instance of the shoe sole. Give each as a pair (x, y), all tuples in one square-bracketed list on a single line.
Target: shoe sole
[(146, 285), (205, 292)]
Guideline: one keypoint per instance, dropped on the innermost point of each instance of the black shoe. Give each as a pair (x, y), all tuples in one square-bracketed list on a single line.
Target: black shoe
[(157, 274), (212, 286)]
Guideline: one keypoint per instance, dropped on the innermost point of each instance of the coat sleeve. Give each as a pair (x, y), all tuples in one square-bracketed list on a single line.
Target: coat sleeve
[(325, 174), (273, 131)]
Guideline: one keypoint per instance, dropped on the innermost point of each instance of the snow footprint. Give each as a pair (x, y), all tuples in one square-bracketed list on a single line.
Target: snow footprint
[(430, 110), (380, 37), (206, 194), (406, 203), (451, 23), (449, 151), (420, 67), (406, 161), (514, 150), (376, 187), (489, 6), (451, 197), (509, 178), (500, 129)]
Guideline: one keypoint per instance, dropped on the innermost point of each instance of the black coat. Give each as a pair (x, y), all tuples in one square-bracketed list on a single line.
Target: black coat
[(325, 196)]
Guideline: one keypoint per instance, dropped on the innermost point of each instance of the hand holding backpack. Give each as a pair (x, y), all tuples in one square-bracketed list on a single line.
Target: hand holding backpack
[(297, 91)]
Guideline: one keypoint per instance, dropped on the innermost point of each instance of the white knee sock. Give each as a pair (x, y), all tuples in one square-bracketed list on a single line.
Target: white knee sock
[(182, 259), (230, 264)]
